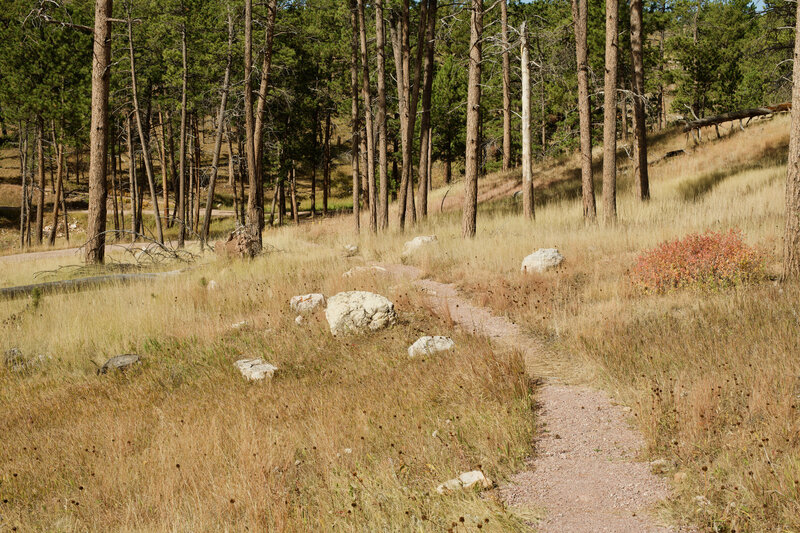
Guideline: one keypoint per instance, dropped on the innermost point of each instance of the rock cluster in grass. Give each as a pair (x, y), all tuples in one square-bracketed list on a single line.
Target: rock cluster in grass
[(15, 361), (464, 481), (306, 303), (119, 362), (429, 345), (359, 312), (416, 243), (255, 369), (240, 244), (542, 260)]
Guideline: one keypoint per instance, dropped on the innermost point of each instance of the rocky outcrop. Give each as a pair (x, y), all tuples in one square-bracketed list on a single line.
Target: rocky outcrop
[(240, 244), (359, 312)]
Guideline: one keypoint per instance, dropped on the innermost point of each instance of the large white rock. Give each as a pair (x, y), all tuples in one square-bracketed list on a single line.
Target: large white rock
[(358, 312), (430, 345), (255, 369), (307, 302), (464, 481), (542, 260), (418, 242)]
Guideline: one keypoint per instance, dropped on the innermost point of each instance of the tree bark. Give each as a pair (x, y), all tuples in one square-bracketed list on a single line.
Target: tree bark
[(295, 208), (326, 172), (182, 153), (143, 139), (253, 217), (59, 184), (162, 150), (198, 160), (369, 171), (98, 133), (506, 87), (610, 114), (639, 113), (469, 218), (383, 169), (354, 112), (23, 172), (527, 169), (791, 240), (114, 188), (258, 134), (580, 15), (40, 173), (425, 119)]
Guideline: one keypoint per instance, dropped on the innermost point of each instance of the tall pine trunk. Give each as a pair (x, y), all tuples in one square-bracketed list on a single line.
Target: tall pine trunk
[(253, 217), (506, 87), (639, 117), (469, 218), (258, 144), (383, 168), (791, 240), (425, 118), (40, 173), (610, 114), (59, 186), (580, 15), (326, 172), (527, 169), (369, 171), (181, 204), (354, 112)]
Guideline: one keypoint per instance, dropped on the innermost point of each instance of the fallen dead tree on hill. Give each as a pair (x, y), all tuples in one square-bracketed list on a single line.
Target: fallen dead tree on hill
[(736, 115)]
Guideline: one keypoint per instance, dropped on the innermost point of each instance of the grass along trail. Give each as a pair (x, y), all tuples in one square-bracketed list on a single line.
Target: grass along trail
[(584, 475)]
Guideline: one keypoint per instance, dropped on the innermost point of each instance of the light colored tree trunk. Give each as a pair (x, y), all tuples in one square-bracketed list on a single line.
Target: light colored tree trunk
[(639, 114), (23, 172), (253, 216), (114, 184), (610, 114), (425, 118), (506, 87), (98, 133), (258, 134), (161, 142), (39, 231), (469, 218), (143, 139), (383, 164), (198, 160), (354, 112), (527, 168), (295, 207), (791, 239), (580, 15), (59, 184), (182, 152), (369, 171), (132, 178), (326, 169)]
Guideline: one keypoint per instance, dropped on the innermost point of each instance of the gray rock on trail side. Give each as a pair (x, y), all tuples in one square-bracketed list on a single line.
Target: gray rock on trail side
[(255, 369), (542, 260), (119, 362), (17, 362), (464, 481), (359, 312), (307, 302), (429, 345), (418, 242)]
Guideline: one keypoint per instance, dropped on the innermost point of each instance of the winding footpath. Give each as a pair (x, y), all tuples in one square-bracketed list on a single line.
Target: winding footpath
[(584, 476)]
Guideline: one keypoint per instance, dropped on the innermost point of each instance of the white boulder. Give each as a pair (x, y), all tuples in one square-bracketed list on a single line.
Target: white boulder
[(418, 242), (255, 369), (542, 260), (464, 481), (350, 250), (306, 302), (359, 312), (430, 345)]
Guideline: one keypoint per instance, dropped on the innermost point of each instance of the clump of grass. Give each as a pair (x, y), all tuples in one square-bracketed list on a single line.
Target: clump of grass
[(708, 261)]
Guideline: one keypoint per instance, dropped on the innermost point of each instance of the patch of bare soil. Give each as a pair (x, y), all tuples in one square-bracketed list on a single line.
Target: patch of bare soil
[(584, 475)]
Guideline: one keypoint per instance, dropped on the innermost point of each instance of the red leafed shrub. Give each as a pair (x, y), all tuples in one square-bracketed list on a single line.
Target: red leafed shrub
[(708, 261)]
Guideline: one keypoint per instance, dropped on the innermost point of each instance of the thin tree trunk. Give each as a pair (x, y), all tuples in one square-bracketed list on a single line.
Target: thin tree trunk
[(232, 177), (132, 177), (506, 87), (383, 169), (40, 173), (527, 170), (161, 142), (469, 219), (639, 113), (425, 118), (791, 239), (295, 209), (198, 160), (181, 209), (610, 114), (253, 217), (114, 183), (59, 184), (143, 139), (369, 171), (23, 172), (354, 112), (98, 133), (272, 11), (121, 195), (326, 176), (580, 15), (314, 151)]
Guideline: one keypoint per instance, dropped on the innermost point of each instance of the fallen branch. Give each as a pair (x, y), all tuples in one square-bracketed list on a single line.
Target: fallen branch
[(21, 291), (736, 115)]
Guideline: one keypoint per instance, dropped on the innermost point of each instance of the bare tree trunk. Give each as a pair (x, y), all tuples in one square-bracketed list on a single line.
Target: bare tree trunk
[(161, 142), (198, 160), (469, 219), (580, 15), (791, 239), (425, 119), (527, 169), (326, 176), (354, 112), (98, 133), (506, 87), (295, 208), (610, 114), (314, 151), (369, 171), (639, 114), (121, 194), (266, 64), (218, 139), (383, 169), (182, 153), (143, 139), (114, 187), (623, 104), (253, 216), (59, 184), (40, 172), (132, 177), (232, 177), (23, 172)]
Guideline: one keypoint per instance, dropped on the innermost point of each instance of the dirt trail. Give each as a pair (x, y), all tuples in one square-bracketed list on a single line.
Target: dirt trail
[(584, 476)]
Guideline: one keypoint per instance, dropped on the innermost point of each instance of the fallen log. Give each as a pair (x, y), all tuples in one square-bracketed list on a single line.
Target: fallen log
[(736, 115), (21, 291)]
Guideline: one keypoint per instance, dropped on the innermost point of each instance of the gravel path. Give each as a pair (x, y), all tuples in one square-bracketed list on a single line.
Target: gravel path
[(584, 476)]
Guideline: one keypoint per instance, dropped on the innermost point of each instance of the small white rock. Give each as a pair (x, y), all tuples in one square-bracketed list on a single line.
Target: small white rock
[(416, 243), (238, 325), (430, 345), (350, 250), (212, 285), (542, 260), (307, 302), (299, 320), (255, 369), (375, 269), (348, 450), (464, 481)]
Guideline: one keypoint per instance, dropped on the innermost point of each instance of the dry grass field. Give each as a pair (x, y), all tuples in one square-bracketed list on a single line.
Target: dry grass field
[(343, 438)]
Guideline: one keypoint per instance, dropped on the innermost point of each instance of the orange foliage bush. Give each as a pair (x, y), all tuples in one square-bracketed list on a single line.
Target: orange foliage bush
[(708, 261)]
